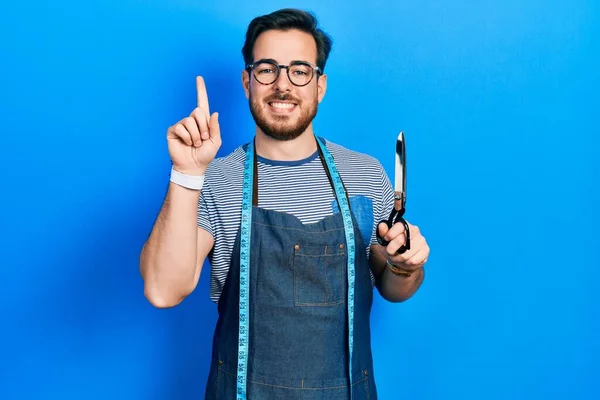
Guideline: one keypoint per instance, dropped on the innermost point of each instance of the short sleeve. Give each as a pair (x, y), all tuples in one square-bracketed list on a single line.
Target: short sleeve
[(204, 220), (384, 203)]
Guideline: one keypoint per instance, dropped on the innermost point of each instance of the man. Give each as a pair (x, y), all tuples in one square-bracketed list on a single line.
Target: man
[(271, 217)]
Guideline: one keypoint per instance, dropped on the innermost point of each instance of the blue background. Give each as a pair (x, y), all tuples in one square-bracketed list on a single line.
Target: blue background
[(499, 102)]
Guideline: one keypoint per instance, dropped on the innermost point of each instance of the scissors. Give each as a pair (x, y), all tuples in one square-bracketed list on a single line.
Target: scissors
[(399, 196)]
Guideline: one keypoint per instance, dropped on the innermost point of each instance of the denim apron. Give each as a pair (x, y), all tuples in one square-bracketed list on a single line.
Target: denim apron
[(298, 331)]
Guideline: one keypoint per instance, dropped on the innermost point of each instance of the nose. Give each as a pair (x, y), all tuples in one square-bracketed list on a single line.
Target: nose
[(283, 83)]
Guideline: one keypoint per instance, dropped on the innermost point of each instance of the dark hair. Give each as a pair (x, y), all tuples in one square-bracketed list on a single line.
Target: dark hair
[(284, 20)]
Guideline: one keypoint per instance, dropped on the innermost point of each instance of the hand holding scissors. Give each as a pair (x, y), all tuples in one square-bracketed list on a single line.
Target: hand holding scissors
[(397, 213)]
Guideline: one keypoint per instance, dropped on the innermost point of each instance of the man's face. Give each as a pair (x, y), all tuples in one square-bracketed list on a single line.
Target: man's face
[(282, 110)]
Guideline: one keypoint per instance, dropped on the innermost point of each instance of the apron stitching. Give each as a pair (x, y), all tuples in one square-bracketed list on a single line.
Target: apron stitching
[(218, 383), (298, 229), (320, 304), (258, 382), (318, 255)]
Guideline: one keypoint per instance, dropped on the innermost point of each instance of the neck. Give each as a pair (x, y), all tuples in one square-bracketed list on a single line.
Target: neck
[(286, 150)]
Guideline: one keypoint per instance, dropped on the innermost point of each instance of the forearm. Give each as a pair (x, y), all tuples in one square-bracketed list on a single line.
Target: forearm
[(392, 287), (398, 288), (168, 259)]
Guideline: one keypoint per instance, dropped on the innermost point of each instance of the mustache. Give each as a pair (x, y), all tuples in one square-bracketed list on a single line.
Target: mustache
[(282, 97)]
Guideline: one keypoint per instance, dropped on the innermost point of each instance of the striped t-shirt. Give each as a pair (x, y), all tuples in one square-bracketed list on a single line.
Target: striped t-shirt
[(300, 188)]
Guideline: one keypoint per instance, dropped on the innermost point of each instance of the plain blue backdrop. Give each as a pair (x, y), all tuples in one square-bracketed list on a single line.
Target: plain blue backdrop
[(499, 102)]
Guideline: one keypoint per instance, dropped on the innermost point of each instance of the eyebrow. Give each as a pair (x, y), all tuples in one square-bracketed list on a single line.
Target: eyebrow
[(275, 61)]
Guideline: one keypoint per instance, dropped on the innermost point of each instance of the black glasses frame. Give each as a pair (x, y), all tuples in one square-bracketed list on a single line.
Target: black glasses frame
[(314, 68)]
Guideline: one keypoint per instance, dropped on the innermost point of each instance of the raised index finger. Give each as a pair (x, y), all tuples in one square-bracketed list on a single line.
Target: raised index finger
[(202, 95)]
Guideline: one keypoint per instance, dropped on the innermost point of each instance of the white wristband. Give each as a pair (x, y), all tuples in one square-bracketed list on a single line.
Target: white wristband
[(194, 182)]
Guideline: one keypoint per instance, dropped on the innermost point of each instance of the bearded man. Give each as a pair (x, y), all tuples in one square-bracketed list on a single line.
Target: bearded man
[(288, 223)]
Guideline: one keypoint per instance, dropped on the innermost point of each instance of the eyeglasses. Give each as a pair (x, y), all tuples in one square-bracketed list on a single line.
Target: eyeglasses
[(266, 71)]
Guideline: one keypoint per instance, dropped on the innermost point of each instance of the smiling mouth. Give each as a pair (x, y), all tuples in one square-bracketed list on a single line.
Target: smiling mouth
[(282, 107)]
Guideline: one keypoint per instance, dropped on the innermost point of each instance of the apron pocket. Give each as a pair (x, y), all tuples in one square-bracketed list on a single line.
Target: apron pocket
[(319, 275)]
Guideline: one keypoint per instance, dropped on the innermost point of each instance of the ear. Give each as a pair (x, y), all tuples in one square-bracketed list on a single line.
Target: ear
[(321, 86), (246, 83)]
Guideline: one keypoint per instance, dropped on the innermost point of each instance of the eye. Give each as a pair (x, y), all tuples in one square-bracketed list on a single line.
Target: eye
[(265, 68), (301, 70)]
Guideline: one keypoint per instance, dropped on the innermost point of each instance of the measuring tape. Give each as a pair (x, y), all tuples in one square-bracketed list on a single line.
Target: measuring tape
[(244, 314), (245, 273)]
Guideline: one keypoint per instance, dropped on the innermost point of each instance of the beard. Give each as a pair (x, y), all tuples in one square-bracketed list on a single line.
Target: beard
[(282, 127)]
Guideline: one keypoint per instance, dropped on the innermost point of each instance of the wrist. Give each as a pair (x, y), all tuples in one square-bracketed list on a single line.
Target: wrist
[(193, 181), (189, 171), (398, 271)]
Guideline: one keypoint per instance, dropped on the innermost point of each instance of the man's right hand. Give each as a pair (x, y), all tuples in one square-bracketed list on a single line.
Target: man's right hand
[(194, 141)]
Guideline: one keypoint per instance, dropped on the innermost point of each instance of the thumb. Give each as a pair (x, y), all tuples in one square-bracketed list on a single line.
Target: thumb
[(215, 129)]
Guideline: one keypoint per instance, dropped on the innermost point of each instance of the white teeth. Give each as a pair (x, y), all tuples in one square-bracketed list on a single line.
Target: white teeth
[(282, 105)]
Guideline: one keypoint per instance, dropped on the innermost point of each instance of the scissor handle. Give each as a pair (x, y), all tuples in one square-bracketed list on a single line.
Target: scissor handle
[(394, 218)]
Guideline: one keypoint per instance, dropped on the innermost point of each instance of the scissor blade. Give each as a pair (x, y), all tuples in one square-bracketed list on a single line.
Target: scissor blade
[(400, 173)]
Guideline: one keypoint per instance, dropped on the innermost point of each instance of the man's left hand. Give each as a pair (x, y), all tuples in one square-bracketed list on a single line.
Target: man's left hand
[(410, 260)]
